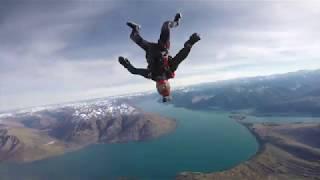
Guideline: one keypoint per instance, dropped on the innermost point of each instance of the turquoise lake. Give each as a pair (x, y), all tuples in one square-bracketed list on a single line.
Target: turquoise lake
[(203, 142)]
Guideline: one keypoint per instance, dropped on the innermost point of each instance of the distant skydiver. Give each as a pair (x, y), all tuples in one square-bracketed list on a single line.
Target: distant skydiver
[(161, 66)]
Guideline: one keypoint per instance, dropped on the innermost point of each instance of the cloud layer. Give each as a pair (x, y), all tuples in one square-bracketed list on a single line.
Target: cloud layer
[(58, 51)]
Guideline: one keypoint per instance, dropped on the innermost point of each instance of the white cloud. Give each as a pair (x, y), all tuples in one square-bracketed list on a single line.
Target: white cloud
[(238, 39)]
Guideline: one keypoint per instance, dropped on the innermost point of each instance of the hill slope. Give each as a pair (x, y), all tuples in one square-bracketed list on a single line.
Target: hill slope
[(43, 132)]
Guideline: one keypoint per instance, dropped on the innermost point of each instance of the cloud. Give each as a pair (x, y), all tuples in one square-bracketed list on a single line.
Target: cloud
[(259, 34), (67, 50)]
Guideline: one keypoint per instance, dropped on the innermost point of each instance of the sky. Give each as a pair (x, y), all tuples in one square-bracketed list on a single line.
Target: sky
[(60, 51)]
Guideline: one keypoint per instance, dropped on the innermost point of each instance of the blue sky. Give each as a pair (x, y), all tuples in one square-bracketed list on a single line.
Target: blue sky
[(57, 51)]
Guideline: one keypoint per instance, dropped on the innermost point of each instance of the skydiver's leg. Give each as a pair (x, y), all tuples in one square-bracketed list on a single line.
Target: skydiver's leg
[(136, 37), (138, 71), (184, 52), (164, 40)]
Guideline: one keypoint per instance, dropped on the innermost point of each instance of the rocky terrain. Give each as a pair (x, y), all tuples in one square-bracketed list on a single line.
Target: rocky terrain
[(42, 132), (287, 151), (9, 144)]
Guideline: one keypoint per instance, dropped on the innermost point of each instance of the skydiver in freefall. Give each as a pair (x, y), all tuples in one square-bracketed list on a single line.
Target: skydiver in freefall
[(161, 66)]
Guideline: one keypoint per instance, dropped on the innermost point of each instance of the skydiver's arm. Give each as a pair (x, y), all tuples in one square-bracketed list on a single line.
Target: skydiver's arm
[(182, 55), (140, 71), (184, 52)]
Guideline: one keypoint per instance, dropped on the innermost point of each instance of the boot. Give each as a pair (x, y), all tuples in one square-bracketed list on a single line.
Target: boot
[(133, 26), (177, 17), (176, 21), (192, 40), (124, 62)]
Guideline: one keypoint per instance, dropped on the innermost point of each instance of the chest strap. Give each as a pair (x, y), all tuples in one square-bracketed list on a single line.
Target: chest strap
[(166, 66)]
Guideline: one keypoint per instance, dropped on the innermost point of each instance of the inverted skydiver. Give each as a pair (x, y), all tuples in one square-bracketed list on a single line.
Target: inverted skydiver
[(161, 66)]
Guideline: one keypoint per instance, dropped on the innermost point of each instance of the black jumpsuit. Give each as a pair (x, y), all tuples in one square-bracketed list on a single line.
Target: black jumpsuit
[(154, 54)]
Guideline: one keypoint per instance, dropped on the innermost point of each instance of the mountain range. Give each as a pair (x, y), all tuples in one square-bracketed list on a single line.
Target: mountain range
[(294, 93), (41, 132)]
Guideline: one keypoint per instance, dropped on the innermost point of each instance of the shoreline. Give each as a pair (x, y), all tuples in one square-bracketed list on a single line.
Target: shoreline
[(261, 143), (280, 155), (26, 145)]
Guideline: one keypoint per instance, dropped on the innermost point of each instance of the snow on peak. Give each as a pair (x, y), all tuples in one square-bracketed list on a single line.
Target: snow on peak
[(101, 109), (84, 110), (4, 115)]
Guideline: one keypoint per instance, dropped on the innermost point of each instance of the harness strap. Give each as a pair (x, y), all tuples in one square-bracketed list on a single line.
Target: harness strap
[(167, 67)]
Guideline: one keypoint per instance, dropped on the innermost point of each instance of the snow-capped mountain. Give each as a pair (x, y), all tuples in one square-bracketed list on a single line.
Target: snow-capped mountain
[(76, 124), (101, 109), (84, 110), (296, 92)]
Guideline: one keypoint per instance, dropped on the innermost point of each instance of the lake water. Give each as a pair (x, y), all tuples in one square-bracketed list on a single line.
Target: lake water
[(203, 141)]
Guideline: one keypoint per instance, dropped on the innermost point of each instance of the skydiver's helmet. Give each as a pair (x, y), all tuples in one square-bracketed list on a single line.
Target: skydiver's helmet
[(163, 88)]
